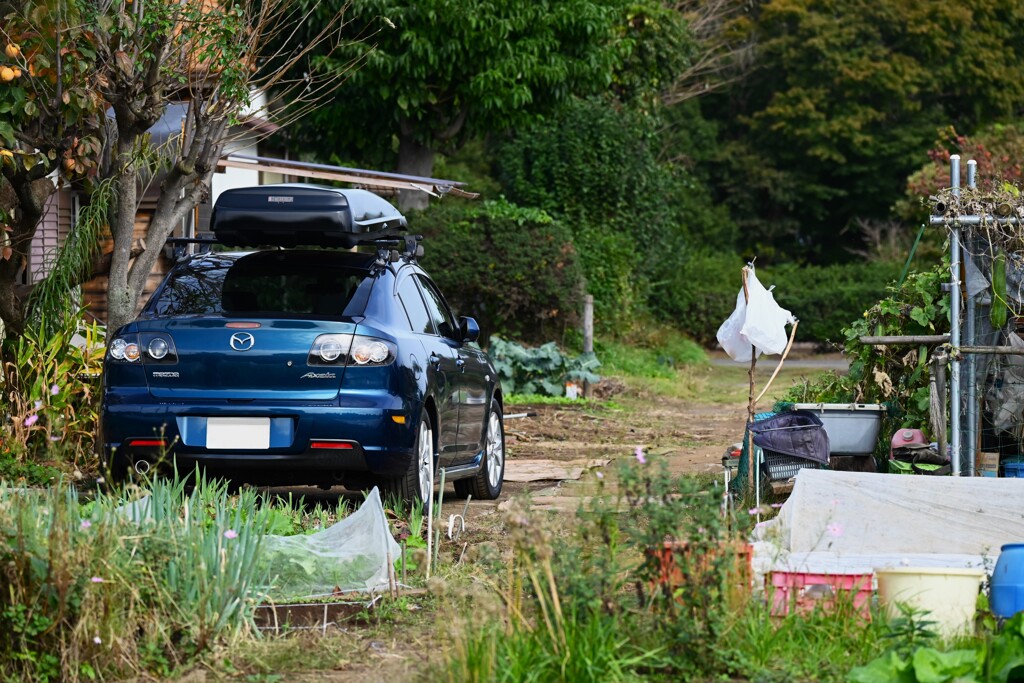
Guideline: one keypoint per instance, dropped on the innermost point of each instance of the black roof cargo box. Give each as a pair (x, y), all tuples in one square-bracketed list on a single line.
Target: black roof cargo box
[(295, 214)]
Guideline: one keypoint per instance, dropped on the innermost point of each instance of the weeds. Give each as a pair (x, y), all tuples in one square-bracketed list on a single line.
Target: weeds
[(109, 590)]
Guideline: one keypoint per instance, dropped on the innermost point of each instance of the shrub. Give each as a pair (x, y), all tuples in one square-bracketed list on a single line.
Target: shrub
[(513, 269), (826, 299), (597, 167)]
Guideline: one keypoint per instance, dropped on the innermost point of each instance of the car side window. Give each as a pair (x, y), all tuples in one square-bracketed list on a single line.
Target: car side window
[(443, 319), (419, 318)]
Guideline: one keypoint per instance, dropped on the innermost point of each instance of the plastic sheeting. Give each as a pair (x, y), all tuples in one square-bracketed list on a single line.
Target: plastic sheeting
[(854, 521), (351, 555)]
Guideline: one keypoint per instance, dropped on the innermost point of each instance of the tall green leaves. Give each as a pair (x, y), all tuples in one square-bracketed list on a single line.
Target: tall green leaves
[(51, 300)]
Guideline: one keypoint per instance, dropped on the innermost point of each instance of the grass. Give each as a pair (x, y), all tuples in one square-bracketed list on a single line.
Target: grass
[(658, 355)]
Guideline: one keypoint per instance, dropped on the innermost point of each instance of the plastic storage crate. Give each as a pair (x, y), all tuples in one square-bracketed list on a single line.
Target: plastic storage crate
[(782, 467), (852, 428), (801, 592)]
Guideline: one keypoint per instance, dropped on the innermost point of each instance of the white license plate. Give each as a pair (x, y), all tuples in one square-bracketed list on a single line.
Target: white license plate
[(238, 432)]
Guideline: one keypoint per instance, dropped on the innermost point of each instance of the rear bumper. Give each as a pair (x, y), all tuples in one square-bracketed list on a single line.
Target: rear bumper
[(378, 430)]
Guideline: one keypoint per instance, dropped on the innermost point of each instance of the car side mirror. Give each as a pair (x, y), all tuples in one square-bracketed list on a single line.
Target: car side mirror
[(469, 329)]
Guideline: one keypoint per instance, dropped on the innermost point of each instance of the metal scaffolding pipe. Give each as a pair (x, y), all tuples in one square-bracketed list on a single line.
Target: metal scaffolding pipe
[(970, 220), (954, 331), (971, 428)]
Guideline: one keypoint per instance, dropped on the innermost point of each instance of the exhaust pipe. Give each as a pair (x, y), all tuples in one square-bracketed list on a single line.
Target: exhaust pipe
[(142, 466)]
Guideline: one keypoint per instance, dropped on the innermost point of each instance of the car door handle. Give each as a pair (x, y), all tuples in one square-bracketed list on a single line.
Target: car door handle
[(435, 360), (460, 364)]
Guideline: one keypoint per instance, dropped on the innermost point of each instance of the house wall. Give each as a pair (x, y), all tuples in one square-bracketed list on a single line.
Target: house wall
[(51, 233)]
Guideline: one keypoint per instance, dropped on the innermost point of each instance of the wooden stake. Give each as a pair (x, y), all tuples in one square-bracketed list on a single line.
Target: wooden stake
[(751, 401)]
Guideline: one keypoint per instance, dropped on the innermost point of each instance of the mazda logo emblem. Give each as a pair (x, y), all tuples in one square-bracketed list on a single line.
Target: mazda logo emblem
[(242, 341)]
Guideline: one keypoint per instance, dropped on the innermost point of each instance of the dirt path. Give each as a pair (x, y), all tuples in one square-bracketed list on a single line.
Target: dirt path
[(689, 426)]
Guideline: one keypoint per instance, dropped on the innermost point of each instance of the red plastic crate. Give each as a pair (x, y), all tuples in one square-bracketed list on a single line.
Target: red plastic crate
[(803, 591)]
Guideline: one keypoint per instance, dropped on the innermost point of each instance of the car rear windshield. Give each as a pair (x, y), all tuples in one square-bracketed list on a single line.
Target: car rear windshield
[(268, 284)]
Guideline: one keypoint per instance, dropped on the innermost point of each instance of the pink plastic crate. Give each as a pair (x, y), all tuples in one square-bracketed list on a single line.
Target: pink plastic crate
[(803, 591)]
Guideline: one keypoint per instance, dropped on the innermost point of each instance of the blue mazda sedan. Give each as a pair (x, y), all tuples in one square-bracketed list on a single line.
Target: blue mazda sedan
[(317, 366)]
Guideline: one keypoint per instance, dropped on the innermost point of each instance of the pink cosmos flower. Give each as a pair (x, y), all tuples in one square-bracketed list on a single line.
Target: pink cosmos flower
[(31, 420), (639, 453), (230, 533)]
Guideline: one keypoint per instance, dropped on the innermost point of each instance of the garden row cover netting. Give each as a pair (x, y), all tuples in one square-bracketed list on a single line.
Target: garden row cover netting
[(351, 555), (855, 522)]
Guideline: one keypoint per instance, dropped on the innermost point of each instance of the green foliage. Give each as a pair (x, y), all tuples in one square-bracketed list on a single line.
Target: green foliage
[(595, 165), (514, 269), (438, 72), (661, 354), (101, 592), (684, 516), (542, 370), (995, 659), (895, 375), (846, 101), (824, 298)]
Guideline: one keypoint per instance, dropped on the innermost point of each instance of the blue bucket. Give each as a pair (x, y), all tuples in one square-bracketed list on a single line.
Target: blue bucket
[(1014, 469), (1007, 596)]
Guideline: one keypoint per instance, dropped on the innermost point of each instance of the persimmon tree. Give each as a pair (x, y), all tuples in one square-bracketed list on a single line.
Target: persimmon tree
[(81, 85)]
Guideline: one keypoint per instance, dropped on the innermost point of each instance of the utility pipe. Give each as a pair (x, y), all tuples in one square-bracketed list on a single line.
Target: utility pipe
[(954, 332), (971, 338)]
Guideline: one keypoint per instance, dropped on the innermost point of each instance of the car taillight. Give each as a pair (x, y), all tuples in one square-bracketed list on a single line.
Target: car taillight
[(351, 349), (159, 348), (124, 349), (148, 347)]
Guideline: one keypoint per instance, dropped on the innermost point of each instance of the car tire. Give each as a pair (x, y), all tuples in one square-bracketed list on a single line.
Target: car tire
[(416, 484), (486, 483)]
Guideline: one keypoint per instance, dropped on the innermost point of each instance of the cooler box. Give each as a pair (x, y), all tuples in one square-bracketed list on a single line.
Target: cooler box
[(852, 428)]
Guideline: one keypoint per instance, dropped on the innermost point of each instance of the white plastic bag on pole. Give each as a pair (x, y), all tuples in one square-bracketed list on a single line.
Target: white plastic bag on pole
[(729, 334), (765, 324), (757, 325)]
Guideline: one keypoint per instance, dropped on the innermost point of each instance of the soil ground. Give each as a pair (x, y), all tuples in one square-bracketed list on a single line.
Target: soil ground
[(688, 422)]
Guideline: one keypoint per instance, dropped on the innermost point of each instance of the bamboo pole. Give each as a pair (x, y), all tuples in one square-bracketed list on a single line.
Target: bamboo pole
[(751, 401)]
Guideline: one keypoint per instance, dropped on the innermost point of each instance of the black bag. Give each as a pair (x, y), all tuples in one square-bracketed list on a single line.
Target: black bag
[(797, 433)]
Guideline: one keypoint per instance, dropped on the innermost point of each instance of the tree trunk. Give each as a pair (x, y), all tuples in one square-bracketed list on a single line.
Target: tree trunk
[(121, 300), (413, 159)]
